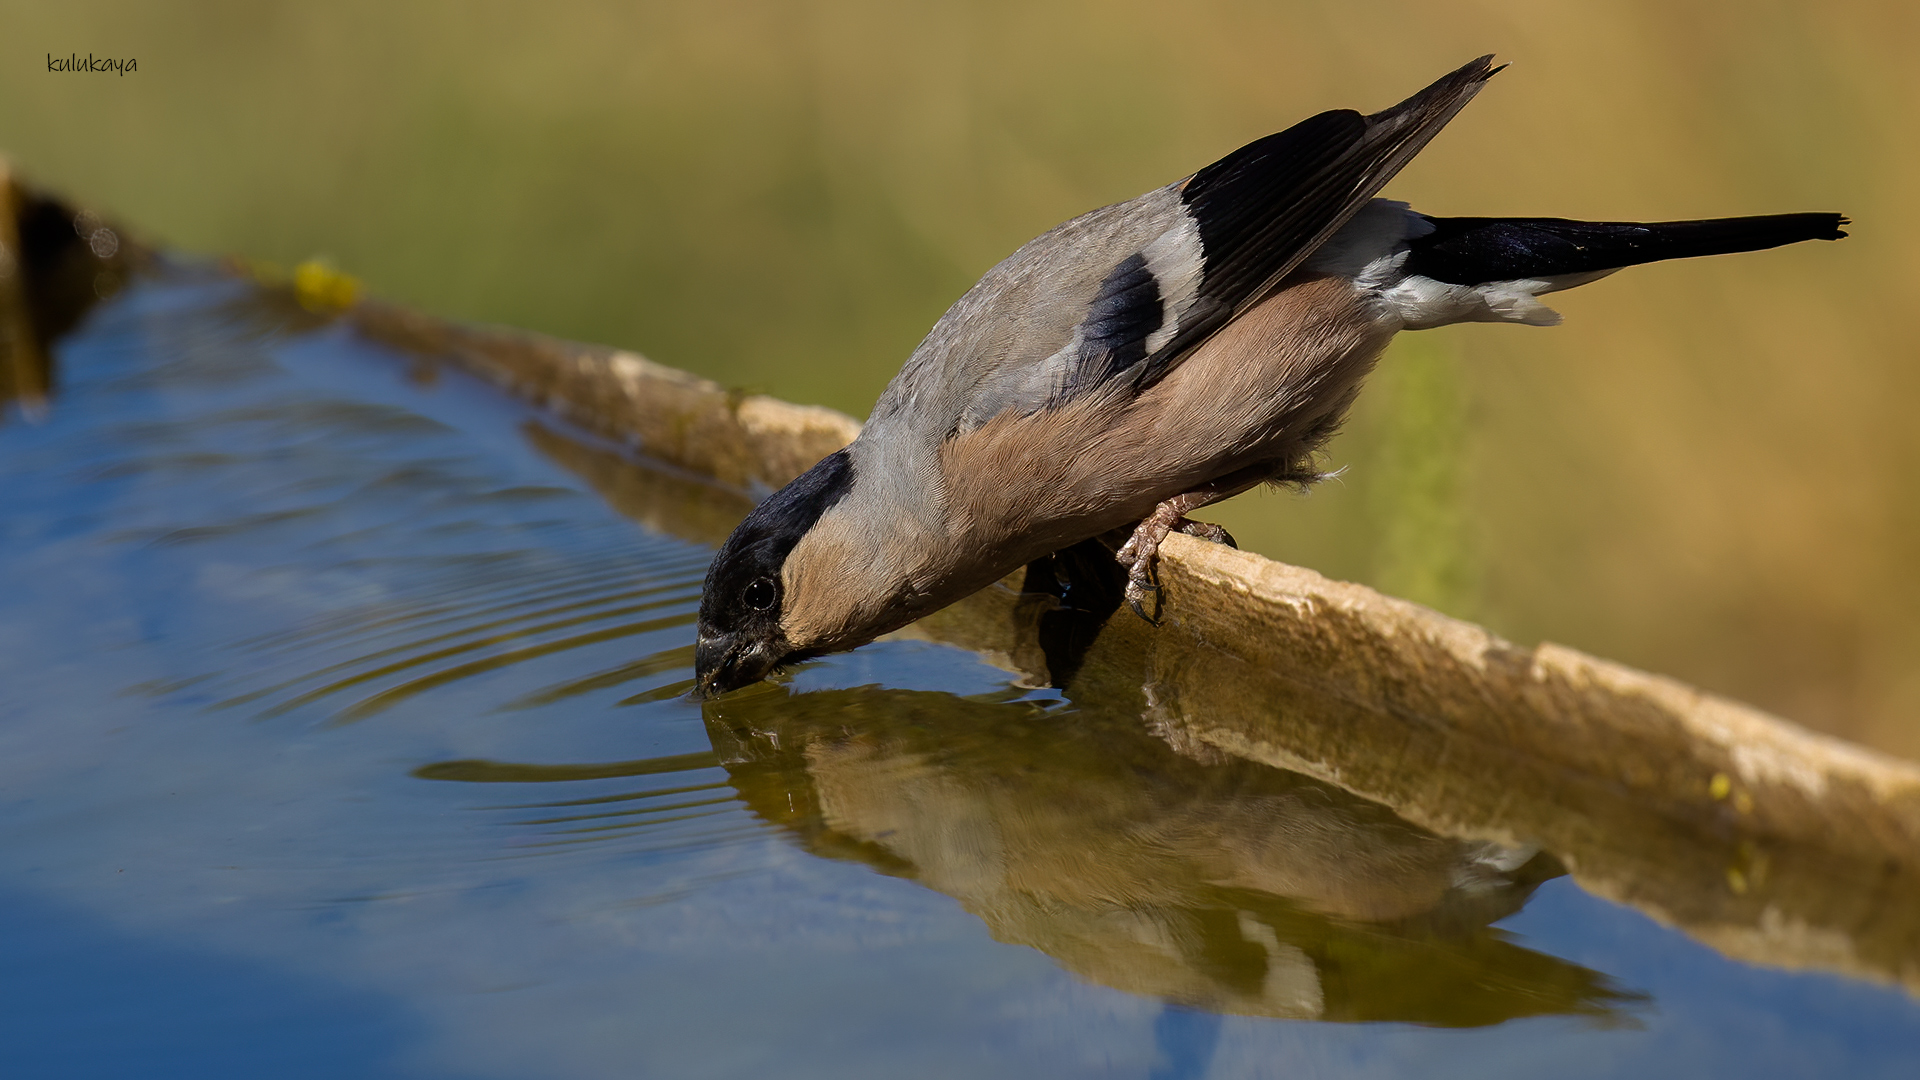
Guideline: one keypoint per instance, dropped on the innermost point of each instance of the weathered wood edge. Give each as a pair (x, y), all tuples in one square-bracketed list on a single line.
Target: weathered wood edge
[(1682, 747)]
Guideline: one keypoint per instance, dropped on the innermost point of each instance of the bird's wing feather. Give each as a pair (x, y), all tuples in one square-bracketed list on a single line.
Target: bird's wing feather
[(1263, 209), (1114, 299)]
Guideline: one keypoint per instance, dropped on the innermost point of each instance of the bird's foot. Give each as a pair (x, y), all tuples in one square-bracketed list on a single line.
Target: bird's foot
[(1141, 553), (1138, 555)]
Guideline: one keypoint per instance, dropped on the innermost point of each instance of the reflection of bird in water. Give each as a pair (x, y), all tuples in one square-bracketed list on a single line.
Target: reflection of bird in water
[(1232, 886), (1143, 361)]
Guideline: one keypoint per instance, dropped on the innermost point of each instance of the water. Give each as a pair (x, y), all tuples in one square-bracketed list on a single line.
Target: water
[(343, 734)]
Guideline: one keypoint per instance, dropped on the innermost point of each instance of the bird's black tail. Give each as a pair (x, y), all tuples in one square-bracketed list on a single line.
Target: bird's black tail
[(1474, 251)]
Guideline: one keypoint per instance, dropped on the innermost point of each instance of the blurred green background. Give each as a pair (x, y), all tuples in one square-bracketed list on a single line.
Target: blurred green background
[(1709, 471)]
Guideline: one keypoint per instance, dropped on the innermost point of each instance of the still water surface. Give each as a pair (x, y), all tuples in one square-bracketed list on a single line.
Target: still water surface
[(343, 734)]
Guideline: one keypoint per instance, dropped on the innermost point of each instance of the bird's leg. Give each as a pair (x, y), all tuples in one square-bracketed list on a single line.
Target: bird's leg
[(1140, 552)]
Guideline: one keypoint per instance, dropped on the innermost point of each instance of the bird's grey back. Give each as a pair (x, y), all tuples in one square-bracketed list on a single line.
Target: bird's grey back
[(1109, 302), (1000, 346)]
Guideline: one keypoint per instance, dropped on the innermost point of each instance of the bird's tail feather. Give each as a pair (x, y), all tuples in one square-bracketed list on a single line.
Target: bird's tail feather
[(1475, 251)]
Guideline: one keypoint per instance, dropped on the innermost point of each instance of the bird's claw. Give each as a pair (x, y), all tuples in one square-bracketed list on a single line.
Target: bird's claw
[(1138, 557), (1137, 592), (1207, 530)]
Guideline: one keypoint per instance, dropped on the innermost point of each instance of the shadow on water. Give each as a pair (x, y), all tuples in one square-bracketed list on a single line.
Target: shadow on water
[(1215, 884)]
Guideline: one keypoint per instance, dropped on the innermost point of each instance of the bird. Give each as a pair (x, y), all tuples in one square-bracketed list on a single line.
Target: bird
[(1144, 360)]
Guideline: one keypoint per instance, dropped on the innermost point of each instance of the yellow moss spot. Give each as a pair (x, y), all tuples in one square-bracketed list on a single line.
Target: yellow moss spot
[(1743, 802), (1736, 881), (1720, 786), (320, 288)]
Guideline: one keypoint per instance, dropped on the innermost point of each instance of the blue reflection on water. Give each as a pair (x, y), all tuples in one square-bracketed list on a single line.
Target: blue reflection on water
[(1715, 1016), (1185, 1040), (80, 999)]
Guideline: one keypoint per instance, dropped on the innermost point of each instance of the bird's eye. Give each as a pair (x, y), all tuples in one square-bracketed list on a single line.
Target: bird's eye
[(760, 594)]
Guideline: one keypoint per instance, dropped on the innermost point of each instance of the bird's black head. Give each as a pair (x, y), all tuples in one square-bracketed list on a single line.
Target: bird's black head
[(741, 639)]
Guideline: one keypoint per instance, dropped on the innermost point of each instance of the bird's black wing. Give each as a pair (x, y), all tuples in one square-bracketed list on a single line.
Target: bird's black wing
[(1112, 300), (1263, 209)]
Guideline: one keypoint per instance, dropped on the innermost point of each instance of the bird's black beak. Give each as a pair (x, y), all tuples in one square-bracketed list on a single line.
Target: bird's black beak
[(723, 662)]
